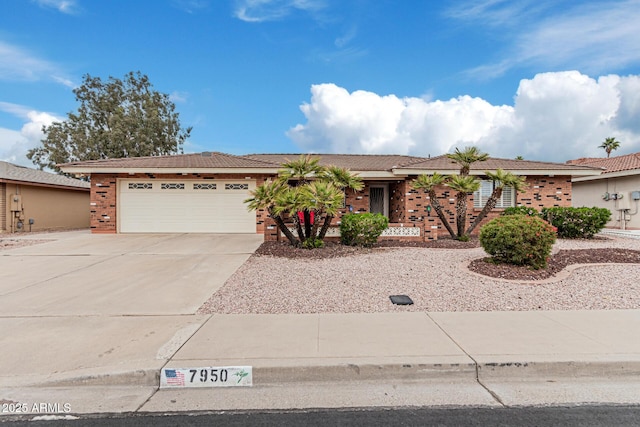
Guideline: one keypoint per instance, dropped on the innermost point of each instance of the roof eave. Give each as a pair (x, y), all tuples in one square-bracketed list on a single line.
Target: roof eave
[(370, 175), (44, 184), (619, 174), (94, 170), (522, 172)]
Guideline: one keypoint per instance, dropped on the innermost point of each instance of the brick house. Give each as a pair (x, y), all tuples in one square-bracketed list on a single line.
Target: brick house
[(205, 192)]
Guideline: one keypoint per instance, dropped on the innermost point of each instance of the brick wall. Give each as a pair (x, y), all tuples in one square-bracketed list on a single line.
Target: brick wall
[(546, 192), (406, 205), (541, 192), (104, 189), (397, 207), (103, 211)]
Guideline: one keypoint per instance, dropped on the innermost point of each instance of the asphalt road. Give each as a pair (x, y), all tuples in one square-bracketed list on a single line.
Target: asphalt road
[(528, 416)]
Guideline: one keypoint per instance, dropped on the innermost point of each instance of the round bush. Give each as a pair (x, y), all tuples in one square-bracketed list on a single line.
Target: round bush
[(362, 229), (520, 210), (577, 223), (518, 240)]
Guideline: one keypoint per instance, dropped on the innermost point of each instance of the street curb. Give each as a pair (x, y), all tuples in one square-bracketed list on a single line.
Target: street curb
[(515, 371), (446, 372), (364, 372), (140, 377)]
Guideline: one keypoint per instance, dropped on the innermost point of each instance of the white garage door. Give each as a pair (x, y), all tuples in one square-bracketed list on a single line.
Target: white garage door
[(212, 206)]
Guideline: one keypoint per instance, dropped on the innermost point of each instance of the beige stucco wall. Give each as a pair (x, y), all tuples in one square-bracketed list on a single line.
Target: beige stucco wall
[(50, 208), (589, 193), (3, 205)]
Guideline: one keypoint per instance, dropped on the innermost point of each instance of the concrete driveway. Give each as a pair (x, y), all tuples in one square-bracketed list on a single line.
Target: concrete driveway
[(153, 274), (83, 305)]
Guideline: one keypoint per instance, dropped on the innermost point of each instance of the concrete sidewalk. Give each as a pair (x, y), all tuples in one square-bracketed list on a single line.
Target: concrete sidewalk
[(383, 359)]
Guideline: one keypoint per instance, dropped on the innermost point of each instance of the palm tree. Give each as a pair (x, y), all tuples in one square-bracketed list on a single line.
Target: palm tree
[(463, 185), (290, 202), (301, 170), (324, 199), (429, 183), (467, 157), (317, 190), (343, 179), (266, 196), (609, 145), (502, 179)]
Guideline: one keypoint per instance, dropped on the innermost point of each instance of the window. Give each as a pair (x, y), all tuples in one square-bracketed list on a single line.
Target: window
[(171, 186), (140, 186), (236, 186), (206, 186), (481, 196)]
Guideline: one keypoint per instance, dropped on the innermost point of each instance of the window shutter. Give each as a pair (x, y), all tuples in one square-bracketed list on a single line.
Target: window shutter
[(507, 199)]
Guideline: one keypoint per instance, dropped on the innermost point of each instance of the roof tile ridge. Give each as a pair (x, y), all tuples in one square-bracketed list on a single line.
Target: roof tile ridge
[(413, 160), (247, 157), (118, 159)]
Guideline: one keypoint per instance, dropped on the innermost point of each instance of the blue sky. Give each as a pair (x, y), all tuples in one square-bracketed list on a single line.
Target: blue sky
[(548, 80)]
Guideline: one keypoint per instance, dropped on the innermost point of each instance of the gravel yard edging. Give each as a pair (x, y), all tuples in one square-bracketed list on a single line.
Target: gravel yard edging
[(433, 278)]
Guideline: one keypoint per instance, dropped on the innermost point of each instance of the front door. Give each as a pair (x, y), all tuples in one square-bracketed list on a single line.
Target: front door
[(379, 200)]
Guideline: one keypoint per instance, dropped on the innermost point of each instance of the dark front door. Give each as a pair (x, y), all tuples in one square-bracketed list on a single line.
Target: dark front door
[(376, 200)]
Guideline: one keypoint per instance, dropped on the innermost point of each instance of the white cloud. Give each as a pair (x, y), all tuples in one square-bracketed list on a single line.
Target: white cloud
[(64, 81), (273, 10), (592, 36), (603, 36), (14, 144), (69, 7), (178, 97), (555, 117), (17, 64), (493, 12), (346, 38)]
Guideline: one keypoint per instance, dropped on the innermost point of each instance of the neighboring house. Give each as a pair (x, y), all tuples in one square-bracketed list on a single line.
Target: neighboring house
[(33, 200), (205, 193), (617, 188)]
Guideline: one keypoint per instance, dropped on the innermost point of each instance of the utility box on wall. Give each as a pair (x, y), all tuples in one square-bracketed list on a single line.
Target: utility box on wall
[(635, 195), (624, 201), (15, 203)]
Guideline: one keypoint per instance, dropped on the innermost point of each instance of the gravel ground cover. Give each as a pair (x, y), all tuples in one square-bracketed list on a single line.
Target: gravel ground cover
[(11, 243), (443, 276)]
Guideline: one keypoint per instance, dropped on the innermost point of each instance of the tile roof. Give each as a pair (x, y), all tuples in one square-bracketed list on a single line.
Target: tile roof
[(11, 172), (197, 160), (356, 162), (443, 163), (386, 163), (611, 164)]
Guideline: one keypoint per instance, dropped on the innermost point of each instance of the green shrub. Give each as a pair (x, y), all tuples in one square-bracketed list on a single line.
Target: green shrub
[(313, 243), (518, 240), (362, 229), (575, 223), (521, 210)]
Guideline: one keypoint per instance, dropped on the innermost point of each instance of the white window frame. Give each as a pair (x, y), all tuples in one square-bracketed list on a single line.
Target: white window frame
[(480, 197)]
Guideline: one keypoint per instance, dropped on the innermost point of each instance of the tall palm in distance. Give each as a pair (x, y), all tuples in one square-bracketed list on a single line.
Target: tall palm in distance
[(609, 145), (466, 157)]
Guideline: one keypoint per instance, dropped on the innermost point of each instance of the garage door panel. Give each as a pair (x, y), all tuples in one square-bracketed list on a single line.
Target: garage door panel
[(207, 208)]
